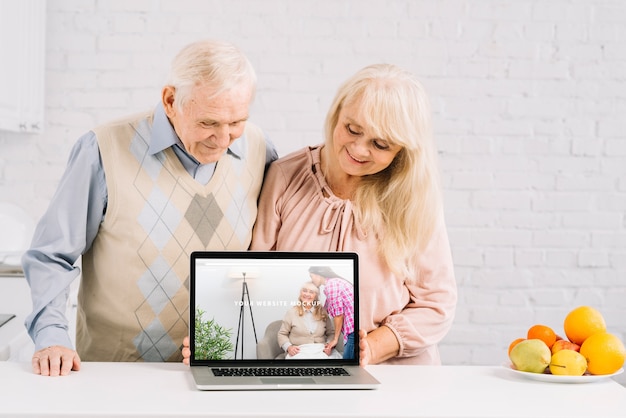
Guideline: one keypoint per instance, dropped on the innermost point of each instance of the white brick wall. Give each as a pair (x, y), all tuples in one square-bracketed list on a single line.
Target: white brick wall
[(529, 99)]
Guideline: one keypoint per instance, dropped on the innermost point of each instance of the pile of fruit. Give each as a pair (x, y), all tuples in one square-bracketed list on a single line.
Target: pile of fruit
[(589, 348)]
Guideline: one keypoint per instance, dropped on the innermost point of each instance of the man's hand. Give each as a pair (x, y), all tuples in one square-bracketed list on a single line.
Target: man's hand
[(55, 360), (186, 351)]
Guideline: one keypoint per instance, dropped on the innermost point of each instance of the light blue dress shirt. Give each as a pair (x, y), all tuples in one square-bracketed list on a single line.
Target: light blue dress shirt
[(71, 222)]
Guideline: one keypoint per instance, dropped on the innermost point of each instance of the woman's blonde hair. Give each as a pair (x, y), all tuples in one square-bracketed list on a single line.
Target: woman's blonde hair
[(402, 203), (319, 313), (220, 65)]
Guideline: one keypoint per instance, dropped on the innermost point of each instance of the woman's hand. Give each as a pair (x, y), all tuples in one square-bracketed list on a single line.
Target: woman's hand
[(328, 347), (186, 351), (292, 350), (379, 345), (365, 353)]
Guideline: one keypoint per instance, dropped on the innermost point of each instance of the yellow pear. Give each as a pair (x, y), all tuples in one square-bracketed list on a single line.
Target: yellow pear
[(531, 356), (568, 363)]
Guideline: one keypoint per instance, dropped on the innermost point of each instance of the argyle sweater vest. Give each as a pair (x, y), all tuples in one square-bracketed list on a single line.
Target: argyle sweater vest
[(133, 302)]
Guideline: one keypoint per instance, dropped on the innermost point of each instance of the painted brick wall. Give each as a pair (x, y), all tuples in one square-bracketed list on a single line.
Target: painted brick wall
[(529, 99)]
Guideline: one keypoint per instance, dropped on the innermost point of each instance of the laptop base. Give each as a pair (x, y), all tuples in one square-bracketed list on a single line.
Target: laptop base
[(358, 379)]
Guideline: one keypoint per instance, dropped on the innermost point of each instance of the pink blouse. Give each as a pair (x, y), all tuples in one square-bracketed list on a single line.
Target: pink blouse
[(299, 212)]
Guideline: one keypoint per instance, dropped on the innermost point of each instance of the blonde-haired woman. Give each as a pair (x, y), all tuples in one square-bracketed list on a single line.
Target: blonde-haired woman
[(373, 188), (306, 327)]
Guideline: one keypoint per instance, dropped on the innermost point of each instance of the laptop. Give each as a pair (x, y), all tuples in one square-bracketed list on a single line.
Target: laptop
[(238, 300)]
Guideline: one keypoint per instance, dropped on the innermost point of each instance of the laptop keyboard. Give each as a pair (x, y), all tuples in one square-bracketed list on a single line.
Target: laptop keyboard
[(279, 371)]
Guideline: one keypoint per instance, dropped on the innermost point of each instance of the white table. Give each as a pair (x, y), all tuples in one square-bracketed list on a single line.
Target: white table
[(166, 390)]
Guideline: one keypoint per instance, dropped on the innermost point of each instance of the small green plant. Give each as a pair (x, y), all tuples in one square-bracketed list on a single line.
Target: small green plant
[(213, 342)]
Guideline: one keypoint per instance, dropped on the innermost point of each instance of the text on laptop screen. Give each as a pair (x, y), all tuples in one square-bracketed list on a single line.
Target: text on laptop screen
[(255, 307)]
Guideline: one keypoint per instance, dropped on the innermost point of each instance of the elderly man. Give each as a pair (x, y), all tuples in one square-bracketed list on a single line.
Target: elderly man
[(139, 195)]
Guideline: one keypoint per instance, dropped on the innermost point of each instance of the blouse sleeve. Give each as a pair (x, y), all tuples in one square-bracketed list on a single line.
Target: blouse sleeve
[(428, 316)]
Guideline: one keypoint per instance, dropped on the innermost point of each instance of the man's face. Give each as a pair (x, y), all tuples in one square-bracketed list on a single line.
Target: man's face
[(207, 127)]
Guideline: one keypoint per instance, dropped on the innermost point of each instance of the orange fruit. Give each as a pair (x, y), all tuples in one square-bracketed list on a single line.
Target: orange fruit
[(543, 333), (605, 353), (582, 322), (514, 343)]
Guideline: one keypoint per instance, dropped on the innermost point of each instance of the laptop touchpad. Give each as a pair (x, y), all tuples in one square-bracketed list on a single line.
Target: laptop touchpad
[(287, 380)]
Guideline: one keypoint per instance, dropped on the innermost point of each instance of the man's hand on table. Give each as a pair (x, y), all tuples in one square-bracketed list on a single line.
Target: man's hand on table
[(55, 361)]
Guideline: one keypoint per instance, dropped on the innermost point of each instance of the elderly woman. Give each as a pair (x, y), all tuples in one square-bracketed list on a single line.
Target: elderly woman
[(373, 188), (306, 327)]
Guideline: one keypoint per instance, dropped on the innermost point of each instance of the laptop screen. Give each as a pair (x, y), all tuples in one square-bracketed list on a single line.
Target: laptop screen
[(249, 307)]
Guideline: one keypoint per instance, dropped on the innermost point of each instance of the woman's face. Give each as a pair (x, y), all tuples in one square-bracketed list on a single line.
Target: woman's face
[(307, 296), (316, 279), (357, 150)]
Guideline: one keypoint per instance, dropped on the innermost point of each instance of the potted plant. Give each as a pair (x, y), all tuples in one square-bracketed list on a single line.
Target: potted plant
[(213, 342)]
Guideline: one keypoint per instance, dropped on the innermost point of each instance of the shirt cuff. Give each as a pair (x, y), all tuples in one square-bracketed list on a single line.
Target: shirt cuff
[(50, 336)]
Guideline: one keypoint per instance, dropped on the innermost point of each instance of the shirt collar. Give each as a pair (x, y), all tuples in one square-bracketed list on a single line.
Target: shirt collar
[(163, 136)]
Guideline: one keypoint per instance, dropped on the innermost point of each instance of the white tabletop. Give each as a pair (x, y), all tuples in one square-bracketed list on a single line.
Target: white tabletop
[(166, 390)]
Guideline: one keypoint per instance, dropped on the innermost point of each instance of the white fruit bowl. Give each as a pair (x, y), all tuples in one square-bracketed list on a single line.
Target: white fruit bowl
[(553, 378)]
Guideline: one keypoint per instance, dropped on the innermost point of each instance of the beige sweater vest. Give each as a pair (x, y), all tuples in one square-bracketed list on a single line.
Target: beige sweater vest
[(134, 296)]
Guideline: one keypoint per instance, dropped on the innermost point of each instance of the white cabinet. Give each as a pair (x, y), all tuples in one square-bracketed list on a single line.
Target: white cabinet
[(22, 53)]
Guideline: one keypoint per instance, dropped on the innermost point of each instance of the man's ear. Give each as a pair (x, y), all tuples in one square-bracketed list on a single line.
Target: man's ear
[(167, 97)]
